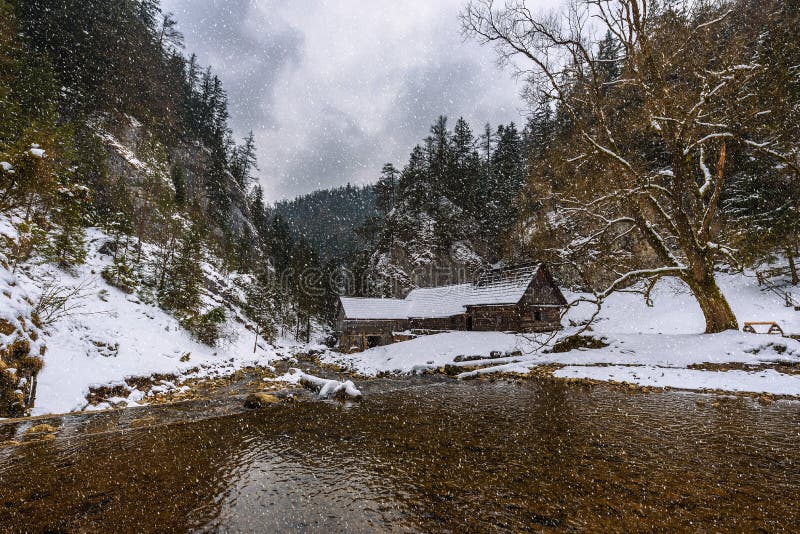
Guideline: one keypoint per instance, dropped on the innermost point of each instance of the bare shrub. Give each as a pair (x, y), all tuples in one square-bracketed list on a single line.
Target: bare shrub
[(58, 301)]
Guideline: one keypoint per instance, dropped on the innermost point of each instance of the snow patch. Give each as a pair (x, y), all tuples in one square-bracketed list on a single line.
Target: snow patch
[(325, 388), (766, 381)]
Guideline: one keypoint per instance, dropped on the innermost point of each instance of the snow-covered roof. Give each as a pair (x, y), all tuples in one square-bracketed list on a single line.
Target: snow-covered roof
[(496, 287), (370, 308)]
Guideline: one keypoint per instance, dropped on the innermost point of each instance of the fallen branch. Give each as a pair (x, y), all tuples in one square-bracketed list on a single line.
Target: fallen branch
[(328, 389)]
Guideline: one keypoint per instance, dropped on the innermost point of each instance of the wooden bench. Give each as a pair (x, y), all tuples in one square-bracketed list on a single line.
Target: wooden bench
[(774, 328)]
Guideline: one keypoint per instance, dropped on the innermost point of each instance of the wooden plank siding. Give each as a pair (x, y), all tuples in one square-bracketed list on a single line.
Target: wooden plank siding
[(456, 322)]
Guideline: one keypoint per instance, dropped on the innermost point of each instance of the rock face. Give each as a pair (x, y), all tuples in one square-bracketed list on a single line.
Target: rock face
[(134, 156), (260, 399)]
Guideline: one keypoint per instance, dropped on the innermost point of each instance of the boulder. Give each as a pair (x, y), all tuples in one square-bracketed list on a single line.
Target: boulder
[(260, 399), (41, 429), (109, 248)]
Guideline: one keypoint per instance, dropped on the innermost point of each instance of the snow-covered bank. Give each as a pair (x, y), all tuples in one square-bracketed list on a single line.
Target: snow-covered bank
[(765, 381), (112, 336), (653, 345), (427, 351)]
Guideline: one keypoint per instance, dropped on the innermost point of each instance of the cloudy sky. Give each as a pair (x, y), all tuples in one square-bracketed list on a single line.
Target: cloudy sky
[(335, 89)]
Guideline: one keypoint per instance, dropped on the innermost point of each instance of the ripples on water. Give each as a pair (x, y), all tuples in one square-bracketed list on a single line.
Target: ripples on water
[(452, 456)]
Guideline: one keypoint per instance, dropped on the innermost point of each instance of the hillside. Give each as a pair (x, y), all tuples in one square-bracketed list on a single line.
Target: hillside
[(126, 203), (330, 219), (106, 335)]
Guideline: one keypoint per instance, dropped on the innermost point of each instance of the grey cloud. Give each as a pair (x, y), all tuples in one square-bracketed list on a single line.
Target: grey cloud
[(443, 88), (328, 108), (338, 148), (249, 59)]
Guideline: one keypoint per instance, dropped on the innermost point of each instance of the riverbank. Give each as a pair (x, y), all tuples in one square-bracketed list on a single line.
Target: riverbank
[(109, 339), (631, 342)]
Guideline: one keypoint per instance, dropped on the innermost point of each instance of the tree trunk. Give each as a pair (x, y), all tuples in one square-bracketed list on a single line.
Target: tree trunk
[(792, 266), (255, 344), (716, 310)]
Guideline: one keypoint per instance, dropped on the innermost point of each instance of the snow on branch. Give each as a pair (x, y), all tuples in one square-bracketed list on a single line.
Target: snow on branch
[(633, 276), (708, 180), (709, 137), (714, 21)]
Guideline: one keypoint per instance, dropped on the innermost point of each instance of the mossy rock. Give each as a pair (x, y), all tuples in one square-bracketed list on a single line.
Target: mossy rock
[(41, 429), (260, 400)]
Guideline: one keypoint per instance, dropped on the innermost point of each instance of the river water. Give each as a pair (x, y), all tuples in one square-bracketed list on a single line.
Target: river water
[(424, 455)]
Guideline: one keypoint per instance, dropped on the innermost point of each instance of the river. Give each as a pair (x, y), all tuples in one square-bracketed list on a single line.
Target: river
[(416, 455)]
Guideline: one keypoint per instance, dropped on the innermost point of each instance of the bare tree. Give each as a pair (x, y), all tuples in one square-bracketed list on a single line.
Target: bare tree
[(647, 143)]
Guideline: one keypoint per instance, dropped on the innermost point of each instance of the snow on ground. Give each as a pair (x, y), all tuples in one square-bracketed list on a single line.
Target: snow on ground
[(675, 311), (427, 351), (665, 338), (114, 336), (765, 381)]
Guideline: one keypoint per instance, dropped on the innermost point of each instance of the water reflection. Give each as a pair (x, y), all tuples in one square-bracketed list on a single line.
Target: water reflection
[(445, 456)]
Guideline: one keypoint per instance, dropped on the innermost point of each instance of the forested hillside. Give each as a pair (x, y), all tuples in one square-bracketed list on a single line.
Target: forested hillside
[(449, 211), (330, 219), (106, 123)]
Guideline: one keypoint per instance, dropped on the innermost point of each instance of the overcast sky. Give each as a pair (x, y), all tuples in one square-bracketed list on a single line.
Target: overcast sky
[(335, 89)]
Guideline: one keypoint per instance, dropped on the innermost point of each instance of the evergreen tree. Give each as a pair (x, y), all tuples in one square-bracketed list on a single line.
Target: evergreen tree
[(608, 57), (306, 286), (386, 188), (260, 306), (244, 161), (181, 292), (467, 171), (178, 176)]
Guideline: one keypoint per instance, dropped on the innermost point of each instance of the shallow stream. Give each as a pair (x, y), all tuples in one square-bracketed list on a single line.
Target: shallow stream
[(425, 454)]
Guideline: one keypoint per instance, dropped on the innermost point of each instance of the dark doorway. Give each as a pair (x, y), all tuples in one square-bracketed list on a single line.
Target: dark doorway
[(537, 316), (373, 341), (469, 323)]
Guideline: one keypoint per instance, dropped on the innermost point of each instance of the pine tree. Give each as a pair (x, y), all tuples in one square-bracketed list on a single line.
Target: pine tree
[(260, 306), (120, 274), (386, 188), (608, 57), (217, 186), (183, 282), (178, 176), (258, 214), (467, 169), (305, 285), (67, 244), (244, 161), (169, 37)]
